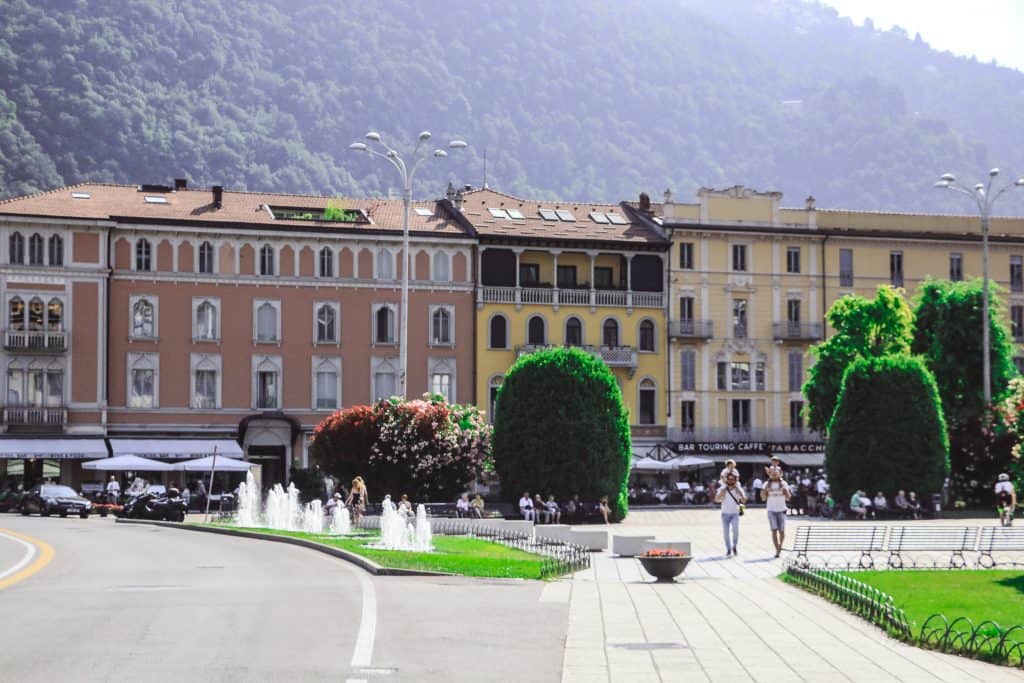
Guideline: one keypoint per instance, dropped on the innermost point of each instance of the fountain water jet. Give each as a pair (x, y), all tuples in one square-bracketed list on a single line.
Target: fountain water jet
[(396, 533)]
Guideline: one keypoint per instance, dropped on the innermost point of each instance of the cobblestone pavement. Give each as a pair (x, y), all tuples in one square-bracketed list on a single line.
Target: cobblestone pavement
[(730, 619)]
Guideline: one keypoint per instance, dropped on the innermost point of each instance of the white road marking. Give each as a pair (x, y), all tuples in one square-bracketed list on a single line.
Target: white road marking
[(362, 654), (30, 553)]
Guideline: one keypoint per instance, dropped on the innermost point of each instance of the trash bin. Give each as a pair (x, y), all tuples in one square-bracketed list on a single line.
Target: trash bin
[(936, 505)]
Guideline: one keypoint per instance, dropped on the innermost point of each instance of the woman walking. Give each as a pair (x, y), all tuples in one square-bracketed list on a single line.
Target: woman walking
[(357, 499)]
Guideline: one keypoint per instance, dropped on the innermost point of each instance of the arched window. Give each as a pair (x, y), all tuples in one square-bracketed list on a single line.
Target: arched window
[(36, 315), (492, 391), (384, 380), (499, 333), (206, 321), (266, 260), (17, 244), (35, 250), (268, 385), (441, 326), (385, 326), (385, 265), (442, 267), (55, 315), (573, 332), (610, 333), (646, 341), (143, 255), (142, 319), (16, 317), (326, 324), (648, 401), (56, 250), (535, 333), (266, 322), (325, 384), (205, 257), (326, 262)]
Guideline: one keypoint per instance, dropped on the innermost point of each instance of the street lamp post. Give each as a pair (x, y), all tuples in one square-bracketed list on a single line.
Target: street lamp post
[(984, 199), (395, 158)]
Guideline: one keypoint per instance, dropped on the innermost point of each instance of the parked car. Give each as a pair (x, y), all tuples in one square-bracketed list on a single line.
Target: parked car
[(47, 499)]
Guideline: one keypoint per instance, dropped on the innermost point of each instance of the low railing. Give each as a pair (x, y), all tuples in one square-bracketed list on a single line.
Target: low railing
[(648, 299), (536, 295), (691, 329), (988, 640), (790, 330), (35, 416), (611, 297), (573, 297), (774, 434), (498, 295), (877, 607), (35, 340), (616, 356)]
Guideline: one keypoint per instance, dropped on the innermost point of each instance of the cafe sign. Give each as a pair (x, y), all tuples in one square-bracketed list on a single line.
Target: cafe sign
[(751, 447)]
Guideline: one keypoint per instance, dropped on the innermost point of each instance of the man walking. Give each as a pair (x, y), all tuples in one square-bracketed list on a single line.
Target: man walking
[(776, 495), (113, 490), (732, 498)]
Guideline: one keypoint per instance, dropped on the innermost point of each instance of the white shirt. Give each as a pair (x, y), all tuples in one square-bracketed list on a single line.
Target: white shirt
[(113, 486), (880, 502), (758, 483), (525, 503), (731, 505), (822, 487), (776, 492), (1003, 487), (462, 504)]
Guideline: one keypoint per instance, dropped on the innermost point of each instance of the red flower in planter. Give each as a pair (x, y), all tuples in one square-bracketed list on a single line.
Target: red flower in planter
[(664, 552)]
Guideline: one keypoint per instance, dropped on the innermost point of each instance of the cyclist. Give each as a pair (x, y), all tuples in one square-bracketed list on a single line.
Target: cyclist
[(1006, 499)]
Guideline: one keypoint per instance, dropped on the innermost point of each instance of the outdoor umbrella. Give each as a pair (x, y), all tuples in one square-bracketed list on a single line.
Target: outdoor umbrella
[(207, 464), (127, 463), (693, 461)]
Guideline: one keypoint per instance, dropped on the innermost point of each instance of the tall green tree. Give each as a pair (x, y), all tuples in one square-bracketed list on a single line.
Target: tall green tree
[(888, 432), (864, 328)]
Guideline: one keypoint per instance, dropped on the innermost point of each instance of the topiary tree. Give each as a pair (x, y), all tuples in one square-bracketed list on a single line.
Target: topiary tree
[(560, 428), (888, 432)]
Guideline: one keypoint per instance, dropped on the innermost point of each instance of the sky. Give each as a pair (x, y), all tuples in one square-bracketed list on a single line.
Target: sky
[(987, 29)]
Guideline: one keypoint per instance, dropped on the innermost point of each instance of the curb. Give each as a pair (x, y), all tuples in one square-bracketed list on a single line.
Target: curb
[(363, 563)]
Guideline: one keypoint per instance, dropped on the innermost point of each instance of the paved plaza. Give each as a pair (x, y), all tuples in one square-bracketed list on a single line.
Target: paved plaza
[(730, 619)]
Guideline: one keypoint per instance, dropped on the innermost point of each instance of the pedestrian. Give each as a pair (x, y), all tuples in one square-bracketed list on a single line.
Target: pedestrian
[(732, 497), (756, 487), (357, 497), (113, 490), (776, 495)]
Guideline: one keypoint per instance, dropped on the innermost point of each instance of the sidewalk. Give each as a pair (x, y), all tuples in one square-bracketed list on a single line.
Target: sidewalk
[(729, 619)]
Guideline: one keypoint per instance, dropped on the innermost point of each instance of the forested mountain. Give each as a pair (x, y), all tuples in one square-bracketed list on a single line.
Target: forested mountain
[(580, 99)]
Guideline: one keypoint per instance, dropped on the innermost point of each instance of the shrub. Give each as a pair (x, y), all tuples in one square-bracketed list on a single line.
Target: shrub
[(560, 428), (888, 432)]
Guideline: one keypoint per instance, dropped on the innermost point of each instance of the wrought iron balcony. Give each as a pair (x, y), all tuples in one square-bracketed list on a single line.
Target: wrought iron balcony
[(796, 331), (35, 416), (36, 341), (691, 329)]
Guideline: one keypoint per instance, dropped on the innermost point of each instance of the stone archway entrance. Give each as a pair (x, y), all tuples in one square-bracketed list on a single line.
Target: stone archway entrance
[(267, 441)]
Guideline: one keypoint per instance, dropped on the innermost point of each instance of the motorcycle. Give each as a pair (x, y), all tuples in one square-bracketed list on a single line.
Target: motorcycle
[(147, 505)]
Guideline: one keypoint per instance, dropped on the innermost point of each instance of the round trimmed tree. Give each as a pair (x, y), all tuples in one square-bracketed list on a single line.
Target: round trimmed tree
[(560, 427), (888, 432)]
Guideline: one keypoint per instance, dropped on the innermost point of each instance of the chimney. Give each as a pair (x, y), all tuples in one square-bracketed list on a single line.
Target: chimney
[(810, 203), (218, 195), (450, 194), (645, 202), (458, 200), (180, 184)]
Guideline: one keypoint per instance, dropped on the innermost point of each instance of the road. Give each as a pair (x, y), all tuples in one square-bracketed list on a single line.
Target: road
[(124, 601)]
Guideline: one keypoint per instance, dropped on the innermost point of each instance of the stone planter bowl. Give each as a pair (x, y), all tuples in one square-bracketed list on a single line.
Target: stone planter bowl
[(664, 569)]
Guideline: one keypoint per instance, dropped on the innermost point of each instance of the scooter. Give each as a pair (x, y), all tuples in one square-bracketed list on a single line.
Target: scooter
[(169, 506)]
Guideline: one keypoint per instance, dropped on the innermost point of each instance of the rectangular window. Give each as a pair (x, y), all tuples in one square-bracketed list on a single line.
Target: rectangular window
[(739, 257), (326, 324), (796, 416), (793, 312), (266, 389), (1017, 322), (567, 276), (266, 322), (722, 376), (686, 309), (686, 255), (1016, 274), (896, 268), (687, 415), (142, 389), (796, 370), (206, 389), (792, 259), (648, 398), (739, 318), (741, 415), (740, 376), (529, 274), (205, 257), (326, 390), (384, 384), (846, 267), (441, 383), (602, 278), (441, 326), (688, 370), (956, 267), (759, 375)]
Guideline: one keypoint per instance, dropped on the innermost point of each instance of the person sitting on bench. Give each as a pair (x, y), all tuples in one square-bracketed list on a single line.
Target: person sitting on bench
[(526, 507), (857, 505)]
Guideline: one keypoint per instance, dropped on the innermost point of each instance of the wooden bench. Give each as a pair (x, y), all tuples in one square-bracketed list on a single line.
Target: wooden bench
[(839, 538), (999, 539), (955, 540)]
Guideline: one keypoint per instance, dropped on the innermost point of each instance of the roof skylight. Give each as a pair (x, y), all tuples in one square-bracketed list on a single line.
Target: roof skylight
[(420, 211), (617, 219), (548, 215), (566, 215), (498, 213), (516, 213), (150, 199), (81, 195), (598, 217)]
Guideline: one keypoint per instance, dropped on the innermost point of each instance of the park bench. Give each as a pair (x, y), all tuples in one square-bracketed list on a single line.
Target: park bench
[(999, 539), (831, 538), (955, 540)]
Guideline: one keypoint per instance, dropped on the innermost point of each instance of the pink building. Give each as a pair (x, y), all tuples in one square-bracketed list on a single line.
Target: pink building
[(163, 321)]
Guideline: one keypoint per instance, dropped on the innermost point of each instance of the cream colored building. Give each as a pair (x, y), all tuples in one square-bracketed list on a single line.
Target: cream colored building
[(749, 284)]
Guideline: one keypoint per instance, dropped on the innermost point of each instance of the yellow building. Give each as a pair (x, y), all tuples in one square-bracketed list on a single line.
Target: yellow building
[(750, 282), (571, 274)]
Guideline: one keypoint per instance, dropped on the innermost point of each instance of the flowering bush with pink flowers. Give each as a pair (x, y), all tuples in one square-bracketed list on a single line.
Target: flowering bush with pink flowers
[(1010, 412), (426, 448)]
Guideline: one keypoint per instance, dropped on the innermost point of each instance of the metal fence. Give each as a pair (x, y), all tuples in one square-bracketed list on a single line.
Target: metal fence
[(988, 640)]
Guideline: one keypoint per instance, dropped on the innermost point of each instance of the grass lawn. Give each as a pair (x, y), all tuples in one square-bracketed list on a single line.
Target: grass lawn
[(453, 554), (980, 595)]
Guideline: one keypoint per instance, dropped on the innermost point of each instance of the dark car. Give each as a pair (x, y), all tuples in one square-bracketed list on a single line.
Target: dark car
[(48, 499)]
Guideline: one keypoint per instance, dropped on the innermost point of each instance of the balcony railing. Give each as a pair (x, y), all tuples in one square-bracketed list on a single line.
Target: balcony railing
[(35, 416), (796, 331), (36, 340), (691, 329), (571, 297), (773, 434), (613, 356)]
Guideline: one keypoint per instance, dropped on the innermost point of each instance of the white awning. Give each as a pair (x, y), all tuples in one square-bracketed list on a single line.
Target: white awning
[(56, 448), (127, 463), (176, 448), (802, 459), (208, 464), (652, 465)]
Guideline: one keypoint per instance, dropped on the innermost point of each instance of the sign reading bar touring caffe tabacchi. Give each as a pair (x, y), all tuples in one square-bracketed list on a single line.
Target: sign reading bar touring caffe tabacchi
[(752, 447)]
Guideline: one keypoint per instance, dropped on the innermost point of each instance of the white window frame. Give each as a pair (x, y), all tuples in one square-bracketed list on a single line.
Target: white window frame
[(443, 365), (135, 255), (378, 259), (320, 364), (375, 364), (508, 333), (155, 303), (199, 260), (267, 364), (447, 259), (373, 324), (640, 389), (494, 381), (205, 361), (654, 335), (197, 301), (51, 240), (451, 325), (333, 261), (143, 361), (256, 304), (336, 307), (274, 260)]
